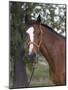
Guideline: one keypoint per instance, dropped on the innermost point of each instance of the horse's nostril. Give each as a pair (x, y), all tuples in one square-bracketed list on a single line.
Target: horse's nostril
[(32, 55)]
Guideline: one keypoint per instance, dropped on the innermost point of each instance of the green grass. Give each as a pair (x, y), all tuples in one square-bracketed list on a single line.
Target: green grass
[(40, 76), (41, 72)]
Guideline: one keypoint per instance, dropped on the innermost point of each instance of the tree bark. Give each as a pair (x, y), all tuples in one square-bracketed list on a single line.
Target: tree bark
[(20, 79)]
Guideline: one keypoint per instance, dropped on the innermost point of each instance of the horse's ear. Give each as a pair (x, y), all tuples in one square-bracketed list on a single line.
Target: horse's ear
[(26, 19), (39, 19)]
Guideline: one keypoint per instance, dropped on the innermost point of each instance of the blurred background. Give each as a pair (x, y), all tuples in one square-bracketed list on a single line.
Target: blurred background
[(20, 67)]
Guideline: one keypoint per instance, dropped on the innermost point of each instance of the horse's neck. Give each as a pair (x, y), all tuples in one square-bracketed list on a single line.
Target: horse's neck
[(48, 41)]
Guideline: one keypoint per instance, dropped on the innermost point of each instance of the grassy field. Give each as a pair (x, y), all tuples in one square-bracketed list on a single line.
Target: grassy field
[(41, 75)]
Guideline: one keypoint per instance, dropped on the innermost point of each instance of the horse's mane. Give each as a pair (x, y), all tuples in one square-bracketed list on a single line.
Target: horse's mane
[(50, 29), (31, 22)]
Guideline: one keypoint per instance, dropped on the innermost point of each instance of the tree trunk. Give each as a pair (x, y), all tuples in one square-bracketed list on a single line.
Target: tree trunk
[(20, 79)]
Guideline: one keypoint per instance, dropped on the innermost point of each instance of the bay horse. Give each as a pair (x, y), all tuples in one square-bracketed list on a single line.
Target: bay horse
[(44, 39)]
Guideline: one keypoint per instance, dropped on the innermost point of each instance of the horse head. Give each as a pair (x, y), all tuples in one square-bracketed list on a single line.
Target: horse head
[(35, 37)]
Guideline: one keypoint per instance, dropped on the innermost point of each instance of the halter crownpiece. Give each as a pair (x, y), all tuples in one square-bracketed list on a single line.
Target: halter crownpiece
[(34, 43)]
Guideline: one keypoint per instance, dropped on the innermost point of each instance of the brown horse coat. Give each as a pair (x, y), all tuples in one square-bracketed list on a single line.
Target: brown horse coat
[(53, 48)]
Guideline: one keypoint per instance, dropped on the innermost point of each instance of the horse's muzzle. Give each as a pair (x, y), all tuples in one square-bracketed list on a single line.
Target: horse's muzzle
[(32, 55)]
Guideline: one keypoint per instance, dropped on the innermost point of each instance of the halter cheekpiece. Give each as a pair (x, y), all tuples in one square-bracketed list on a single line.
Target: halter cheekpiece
[(34, 43)]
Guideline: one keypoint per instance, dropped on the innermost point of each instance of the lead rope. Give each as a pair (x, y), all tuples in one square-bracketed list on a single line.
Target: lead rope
[(31, 75), (32, 71)]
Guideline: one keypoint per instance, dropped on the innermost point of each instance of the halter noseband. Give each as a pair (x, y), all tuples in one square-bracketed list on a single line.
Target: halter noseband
[(34, 43)]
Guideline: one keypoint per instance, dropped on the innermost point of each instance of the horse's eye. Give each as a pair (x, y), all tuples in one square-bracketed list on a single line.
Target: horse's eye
[(27, 35)]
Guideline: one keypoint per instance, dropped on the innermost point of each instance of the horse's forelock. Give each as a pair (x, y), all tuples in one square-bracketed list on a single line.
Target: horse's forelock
[(31, 23)]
